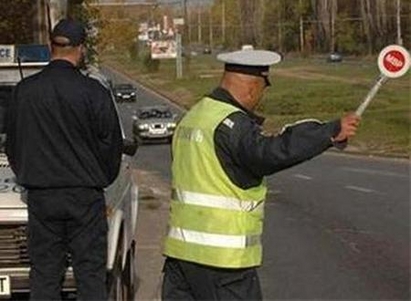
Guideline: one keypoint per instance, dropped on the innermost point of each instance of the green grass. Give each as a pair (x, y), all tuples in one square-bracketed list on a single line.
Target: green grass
[(301, 88)]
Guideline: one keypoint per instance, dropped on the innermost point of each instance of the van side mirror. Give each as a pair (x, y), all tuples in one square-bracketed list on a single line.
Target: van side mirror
[(129, 147)]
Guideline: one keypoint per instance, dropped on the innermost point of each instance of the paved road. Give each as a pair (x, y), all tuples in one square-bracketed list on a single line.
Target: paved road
[(336, 227)]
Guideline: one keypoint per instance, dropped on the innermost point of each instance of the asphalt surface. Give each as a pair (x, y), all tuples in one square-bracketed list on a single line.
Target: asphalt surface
[(336, 227)]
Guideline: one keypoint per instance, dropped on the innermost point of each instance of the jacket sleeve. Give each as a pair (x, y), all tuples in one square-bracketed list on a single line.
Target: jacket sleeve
[(263, 155), (108, 131)]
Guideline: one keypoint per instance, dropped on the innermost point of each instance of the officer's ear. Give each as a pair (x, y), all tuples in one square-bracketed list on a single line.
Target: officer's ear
[(82, 50), (82, 55)]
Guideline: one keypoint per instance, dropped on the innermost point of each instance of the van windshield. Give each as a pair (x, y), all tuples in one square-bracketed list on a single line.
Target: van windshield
[(5, 98)]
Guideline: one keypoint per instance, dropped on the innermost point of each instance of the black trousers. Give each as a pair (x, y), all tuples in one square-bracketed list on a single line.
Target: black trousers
[(63, 221), (190, 281)]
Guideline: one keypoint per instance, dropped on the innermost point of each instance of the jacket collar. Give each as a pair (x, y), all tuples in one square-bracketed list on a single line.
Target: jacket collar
[(59, 63), (223, 95)]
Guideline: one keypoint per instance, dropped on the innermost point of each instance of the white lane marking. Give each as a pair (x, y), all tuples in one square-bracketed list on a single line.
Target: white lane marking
[(159, 191), (360, 189), (273, 191), (301, 176), (376, 172)]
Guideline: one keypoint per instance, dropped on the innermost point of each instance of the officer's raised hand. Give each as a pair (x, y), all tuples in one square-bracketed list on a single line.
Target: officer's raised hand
[(349, 126)]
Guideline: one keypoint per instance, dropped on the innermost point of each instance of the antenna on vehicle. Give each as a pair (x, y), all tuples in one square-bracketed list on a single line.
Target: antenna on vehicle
[(48, 18), (20, 68)]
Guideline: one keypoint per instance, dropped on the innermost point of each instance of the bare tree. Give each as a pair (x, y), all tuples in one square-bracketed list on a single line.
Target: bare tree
[(399, 36), (333, 15), (324, 17), (365, 15), (223, 25), (300, 8), (249, 12)]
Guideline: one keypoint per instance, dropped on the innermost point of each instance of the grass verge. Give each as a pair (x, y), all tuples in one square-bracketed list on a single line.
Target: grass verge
[(301, 88)]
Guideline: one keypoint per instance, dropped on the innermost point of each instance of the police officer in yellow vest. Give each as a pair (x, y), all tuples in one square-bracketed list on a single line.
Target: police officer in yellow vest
[(220, 159)]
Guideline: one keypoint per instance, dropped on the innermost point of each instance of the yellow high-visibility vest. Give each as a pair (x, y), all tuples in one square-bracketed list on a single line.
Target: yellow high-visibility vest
[(212, 221)]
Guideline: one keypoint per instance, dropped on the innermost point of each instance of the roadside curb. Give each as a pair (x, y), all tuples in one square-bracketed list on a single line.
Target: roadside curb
[(151, 227)]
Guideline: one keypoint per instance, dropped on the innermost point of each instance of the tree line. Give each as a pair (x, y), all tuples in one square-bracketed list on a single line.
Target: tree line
[(29, 21), (357, 27)]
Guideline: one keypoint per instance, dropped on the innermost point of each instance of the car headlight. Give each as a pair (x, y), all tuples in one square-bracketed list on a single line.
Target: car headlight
[(171, 125), (118, 94), (133, 93), (143, 126)]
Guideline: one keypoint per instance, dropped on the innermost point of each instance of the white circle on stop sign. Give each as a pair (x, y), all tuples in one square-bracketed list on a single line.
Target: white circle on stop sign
[(394, 61)]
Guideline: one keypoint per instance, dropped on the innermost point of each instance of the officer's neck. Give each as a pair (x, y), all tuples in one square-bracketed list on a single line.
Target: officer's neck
[(71, 60)]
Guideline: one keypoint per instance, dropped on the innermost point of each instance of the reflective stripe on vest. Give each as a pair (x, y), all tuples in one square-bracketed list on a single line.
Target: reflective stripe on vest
[(215, 201), (215, 240)]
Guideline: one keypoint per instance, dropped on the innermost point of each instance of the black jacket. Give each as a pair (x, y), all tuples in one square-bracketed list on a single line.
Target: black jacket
[(63, 130), (247, 154)]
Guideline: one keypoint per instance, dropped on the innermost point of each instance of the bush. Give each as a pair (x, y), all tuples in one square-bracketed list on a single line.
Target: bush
[(150, 64), (133, 50)]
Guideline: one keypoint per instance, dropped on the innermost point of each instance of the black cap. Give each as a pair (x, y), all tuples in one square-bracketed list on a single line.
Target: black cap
[(262, 71), (74, 31)]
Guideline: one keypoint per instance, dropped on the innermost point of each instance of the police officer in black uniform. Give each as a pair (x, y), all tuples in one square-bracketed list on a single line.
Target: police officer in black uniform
[(64, 144)]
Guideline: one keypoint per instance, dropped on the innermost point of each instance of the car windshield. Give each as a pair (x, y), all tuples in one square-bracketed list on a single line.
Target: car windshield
[(154, 113), (124, 86)]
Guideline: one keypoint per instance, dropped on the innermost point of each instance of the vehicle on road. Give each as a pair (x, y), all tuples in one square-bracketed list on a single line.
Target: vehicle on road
[(207, 50), (154, 123), (335, 57), (121, 201), (125, 93)]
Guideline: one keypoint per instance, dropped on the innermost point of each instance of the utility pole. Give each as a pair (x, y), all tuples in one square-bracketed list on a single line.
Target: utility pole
[(39, 22), (179, 60), (58, 10)]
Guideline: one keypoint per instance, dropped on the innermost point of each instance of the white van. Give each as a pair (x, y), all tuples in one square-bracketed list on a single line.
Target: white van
[(122, 208)]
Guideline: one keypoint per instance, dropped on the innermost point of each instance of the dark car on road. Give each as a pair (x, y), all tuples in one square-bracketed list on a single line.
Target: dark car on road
[(125, 92), (207, 50), (154, 123)]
